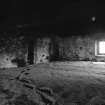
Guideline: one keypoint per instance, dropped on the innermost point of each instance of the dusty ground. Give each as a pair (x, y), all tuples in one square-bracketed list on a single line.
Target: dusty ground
[(82, 83)]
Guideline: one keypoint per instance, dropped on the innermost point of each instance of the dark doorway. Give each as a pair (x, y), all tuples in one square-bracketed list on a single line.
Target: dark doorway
[(31, 52), (55, 47)]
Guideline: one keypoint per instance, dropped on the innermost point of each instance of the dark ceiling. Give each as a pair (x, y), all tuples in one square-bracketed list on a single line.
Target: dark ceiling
[(60, 17)]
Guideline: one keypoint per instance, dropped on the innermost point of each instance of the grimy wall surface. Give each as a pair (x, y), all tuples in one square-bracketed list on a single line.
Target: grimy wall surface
[(14, 51), (41, 52), (78, 48), (81, 47)]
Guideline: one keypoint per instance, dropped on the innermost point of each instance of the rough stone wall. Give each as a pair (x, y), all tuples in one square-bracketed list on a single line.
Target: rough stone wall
[(86, 48), (5, 60), (78, 48), (70, 48), (13, 52), (42, 50)]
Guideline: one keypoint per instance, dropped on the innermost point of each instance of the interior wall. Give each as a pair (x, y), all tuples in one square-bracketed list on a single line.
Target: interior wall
[(42, 53), (16, 52), (13, 52), (78, 48), (5, 60)]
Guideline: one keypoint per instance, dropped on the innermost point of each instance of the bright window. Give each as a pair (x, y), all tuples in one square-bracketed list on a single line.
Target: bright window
[(102, 47)]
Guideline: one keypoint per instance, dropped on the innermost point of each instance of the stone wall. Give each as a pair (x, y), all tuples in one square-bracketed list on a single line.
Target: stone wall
[(13, 52), (42, 52), (78, 48), (6, 60)]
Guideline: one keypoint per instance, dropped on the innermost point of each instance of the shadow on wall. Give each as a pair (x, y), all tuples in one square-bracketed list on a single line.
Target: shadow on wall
[(19, 62), (30, 56)]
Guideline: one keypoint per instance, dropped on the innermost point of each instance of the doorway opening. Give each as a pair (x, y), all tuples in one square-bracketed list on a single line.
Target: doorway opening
[(31, 52)]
